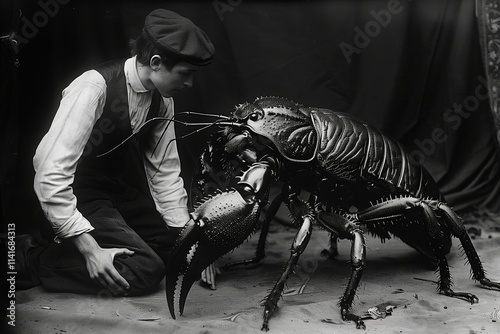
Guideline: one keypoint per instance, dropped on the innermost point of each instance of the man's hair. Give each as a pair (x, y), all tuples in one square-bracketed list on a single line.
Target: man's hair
[(144, 48)]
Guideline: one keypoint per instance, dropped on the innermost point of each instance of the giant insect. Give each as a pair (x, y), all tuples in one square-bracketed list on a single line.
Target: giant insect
[(357, 177)]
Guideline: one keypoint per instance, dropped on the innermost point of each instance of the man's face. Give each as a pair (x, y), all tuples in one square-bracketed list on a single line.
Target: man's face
[(170, 82)]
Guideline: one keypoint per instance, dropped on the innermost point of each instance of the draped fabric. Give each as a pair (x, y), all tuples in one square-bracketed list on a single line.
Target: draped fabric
[(412, 68), (488, 14)]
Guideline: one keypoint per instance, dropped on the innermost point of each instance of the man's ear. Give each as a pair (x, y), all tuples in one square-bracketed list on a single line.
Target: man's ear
[(155, 62)]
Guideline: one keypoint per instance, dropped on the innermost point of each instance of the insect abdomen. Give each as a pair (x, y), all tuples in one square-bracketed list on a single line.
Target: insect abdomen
[(351, 150)]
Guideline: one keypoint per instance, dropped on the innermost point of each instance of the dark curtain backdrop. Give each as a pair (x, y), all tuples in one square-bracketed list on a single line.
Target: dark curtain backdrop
[(410, 68)]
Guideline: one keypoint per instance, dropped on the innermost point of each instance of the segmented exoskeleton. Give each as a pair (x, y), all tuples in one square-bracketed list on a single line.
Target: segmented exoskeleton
[(357, 178)]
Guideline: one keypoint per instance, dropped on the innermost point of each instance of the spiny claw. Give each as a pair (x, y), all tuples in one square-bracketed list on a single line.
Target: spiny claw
[(489, 284), (471, 298), (218, 225)]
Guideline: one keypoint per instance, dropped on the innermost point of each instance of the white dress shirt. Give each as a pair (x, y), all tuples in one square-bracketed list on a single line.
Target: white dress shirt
[(57, 155)]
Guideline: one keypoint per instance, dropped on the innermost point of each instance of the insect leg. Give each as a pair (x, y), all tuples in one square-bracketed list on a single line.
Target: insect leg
[(409, 206), (457, 228), (333, 251), (299, 244), (261, 245), (347, 228)]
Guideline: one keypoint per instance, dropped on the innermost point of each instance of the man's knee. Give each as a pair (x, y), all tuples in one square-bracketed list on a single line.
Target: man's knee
[(144, 274)]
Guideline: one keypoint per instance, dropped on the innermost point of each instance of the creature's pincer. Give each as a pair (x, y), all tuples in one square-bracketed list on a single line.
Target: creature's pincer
[(218, 225)]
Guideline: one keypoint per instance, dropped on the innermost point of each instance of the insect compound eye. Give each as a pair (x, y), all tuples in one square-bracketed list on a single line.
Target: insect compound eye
[(255, 115)]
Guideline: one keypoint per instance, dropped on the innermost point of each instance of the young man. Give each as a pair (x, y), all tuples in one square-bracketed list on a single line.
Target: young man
[(116, 215)]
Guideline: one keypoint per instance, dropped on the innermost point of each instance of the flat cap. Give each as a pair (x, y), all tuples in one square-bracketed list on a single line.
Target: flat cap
[(180, 36)]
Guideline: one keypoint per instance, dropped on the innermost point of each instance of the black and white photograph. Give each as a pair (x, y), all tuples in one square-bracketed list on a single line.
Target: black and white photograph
[(244, 166)]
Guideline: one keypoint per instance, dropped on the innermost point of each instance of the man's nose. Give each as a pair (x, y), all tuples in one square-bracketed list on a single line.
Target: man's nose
[(189, 82)]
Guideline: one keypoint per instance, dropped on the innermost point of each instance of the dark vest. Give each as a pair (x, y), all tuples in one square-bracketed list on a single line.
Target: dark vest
[(111, 129)]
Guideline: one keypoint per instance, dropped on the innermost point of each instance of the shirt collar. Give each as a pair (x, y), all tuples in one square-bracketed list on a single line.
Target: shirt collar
[(132, 76)]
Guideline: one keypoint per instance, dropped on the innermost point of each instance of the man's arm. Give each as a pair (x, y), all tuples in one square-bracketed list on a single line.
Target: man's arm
[(163, 169), (55, 163), (57, 155)]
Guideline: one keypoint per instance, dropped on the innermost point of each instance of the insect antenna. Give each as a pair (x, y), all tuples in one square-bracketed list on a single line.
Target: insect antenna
[(219, 117), (149, 123), (202, 114), (221, 120), (205, 125)]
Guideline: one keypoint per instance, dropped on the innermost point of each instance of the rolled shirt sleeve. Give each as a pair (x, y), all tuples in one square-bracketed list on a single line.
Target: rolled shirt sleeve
[(57, 155)]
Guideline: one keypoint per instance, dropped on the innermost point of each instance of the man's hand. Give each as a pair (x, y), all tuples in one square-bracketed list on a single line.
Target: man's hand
[(99, 263), (208, 276)]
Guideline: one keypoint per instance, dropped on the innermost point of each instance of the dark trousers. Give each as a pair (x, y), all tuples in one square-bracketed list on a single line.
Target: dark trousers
[(123, 214)]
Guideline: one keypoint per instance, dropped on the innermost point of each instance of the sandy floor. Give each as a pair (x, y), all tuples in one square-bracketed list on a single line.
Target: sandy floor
[(395, 274)]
